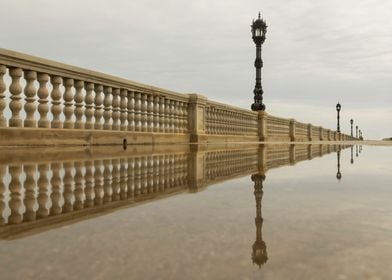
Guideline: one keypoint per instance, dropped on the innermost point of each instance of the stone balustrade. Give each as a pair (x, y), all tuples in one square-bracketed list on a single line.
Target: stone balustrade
[(222, 119), (43, 102)]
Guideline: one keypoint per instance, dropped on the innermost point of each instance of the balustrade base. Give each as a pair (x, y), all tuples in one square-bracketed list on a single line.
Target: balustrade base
[(211, 138), (75, 137)]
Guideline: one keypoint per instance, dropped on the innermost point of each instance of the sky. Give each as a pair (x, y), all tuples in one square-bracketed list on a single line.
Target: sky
[(316, 53)]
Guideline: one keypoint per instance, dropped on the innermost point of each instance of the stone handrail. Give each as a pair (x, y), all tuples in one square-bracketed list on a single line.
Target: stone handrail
[(43, 102)]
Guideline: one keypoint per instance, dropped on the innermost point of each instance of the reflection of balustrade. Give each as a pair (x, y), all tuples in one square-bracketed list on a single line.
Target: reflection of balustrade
[(71, 186), (45, 188)]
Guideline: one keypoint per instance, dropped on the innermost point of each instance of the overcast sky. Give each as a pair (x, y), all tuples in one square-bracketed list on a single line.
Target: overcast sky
[(316, 52)]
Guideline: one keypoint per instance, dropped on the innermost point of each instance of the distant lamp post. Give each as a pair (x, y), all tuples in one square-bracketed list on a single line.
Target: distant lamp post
[(360, 134), (338, 107), (259, 29), (352, 122), (356, 131)]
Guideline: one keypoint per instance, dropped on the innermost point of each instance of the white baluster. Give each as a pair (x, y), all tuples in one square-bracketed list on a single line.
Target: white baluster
[(172, 116), (79, 106), (177, 121), (143, 109), (68, 103), (167, 115), (3, 121), (161, 114), (56, 101), (138, 115), (98, 107), (156, 123), (89, 100), (107, 114), (124, 109), (150, 112), (30, 93), (15, 104), (116, 109), (131, 111)]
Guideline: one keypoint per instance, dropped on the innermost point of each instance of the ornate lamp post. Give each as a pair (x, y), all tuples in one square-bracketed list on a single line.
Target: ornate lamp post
[(259, 29), (356, 132), (352, 122), (338, 107)]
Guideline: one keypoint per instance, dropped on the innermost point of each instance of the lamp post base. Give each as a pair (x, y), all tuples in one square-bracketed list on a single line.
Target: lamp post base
[(258, 107)]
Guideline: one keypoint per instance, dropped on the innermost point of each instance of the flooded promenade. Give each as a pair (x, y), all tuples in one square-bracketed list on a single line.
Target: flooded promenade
[(196, 212)]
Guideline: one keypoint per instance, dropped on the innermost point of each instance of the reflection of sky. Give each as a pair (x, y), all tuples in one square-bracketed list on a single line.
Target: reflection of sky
[(314, 227)]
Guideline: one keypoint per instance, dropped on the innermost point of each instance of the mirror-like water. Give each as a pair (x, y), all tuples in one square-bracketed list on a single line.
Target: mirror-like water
[(188, 212)]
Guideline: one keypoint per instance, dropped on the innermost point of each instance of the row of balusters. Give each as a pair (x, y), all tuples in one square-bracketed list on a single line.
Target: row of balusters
[(75, 104), (36, 191), (226, 122), (222, 164)]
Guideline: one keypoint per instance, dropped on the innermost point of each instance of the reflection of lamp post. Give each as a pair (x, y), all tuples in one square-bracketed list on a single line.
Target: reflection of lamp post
[(338, 174), (352, 122), (259, 248), (356, 131), (352, 151), (338, 107), (259, 28), (356, 150)]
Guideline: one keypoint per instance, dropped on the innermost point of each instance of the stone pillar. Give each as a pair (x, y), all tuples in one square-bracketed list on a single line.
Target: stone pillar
[(196, 116), (310, 128), (292, 130), (321, 133)]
